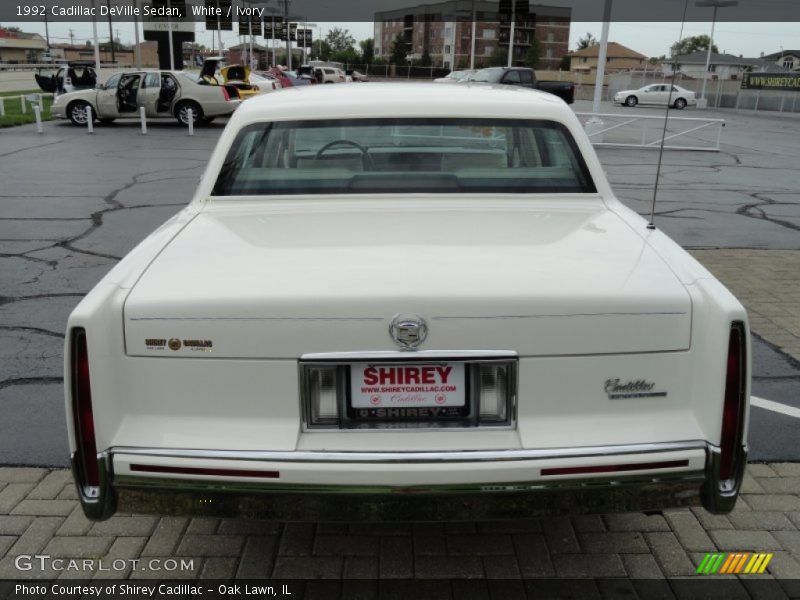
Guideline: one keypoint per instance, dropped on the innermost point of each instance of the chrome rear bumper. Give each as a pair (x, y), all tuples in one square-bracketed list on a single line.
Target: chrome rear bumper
[(606, 492)]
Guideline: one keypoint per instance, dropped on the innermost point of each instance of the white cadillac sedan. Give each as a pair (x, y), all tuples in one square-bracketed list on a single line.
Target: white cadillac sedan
[(162, 94), (657, 93), (372, 303)]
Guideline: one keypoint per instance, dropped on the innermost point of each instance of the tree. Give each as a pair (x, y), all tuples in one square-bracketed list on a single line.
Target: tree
[(400, 49), (347, 56), (340, 39), (691, 44), (425, 60), (321, 50), (566, 63), (533, 55), (498, 58), (586, 41), (367, 50)]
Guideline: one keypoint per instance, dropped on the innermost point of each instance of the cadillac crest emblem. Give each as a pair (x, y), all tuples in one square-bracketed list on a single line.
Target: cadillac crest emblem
[(408, 331)]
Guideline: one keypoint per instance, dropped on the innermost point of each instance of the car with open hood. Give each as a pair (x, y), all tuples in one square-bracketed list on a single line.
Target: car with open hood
[(373, 303), (163, 94)]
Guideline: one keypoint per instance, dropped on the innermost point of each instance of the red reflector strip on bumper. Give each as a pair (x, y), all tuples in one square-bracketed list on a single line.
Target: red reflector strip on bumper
[(667, 464), (202, 471)]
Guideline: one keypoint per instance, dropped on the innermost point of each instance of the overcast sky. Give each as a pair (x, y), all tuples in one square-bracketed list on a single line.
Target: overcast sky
[(652, 39)]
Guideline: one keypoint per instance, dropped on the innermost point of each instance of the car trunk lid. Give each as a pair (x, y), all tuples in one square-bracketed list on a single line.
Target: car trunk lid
[(282, 279)]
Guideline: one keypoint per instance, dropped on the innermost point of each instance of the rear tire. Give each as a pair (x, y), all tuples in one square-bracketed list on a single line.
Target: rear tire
[(680, 104), (182, 112), (76, 111), (631, 101)]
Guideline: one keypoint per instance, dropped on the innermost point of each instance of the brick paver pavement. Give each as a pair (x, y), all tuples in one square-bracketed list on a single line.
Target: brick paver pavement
[(40, 515), (767, 282)]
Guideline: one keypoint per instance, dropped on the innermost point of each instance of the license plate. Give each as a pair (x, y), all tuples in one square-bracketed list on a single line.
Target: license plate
[(407, 392)]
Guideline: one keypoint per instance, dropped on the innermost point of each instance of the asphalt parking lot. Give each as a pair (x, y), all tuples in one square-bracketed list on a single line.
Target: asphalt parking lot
[(72, 204)]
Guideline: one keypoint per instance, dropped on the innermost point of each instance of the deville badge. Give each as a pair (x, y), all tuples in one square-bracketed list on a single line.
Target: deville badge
[(640, 388)]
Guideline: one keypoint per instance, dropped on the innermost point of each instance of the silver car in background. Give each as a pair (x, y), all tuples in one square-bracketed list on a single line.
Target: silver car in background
[(454, 76), (163, 94), (657, 93)]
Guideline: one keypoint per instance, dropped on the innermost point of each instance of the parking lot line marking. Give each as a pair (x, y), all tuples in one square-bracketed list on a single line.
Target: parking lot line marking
[(784, 409)]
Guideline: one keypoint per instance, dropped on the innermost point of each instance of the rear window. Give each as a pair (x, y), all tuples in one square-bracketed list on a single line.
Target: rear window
[(403, 155)]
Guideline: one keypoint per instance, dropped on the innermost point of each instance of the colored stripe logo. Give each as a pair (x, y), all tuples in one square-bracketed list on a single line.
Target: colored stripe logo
[(734, 563)]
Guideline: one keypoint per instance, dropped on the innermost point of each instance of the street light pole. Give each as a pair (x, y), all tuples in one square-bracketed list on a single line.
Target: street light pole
[(472, 43), (702, 102), (111, 33), (169, 36), (96, 44), (594, 125), (137, 51), (511, 33), (47, 33)]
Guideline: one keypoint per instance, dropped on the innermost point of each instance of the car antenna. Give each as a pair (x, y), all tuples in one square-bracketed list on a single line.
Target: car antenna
[(651, 224)]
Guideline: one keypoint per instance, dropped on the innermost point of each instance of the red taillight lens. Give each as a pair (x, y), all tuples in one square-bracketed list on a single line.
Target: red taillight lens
[(225, 93), (82, 410), (733, 409)]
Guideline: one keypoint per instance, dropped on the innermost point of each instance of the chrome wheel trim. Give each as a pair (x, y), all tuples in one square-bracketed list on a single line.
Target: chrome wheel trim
[(183, 114), (78, 114)]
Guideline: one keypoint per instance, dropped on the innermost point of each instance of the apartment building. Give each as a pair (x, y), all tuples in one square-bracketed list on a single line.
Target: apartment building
[(444, 30)]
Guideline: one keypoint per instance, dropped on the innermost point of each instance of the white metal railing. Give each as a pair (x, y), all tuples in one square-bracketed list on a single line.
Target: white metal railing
[(24, 100), (647, 131)]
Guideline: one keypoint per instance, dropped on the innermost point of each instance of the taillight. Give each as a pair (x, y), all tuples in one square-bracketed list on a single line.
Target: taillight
[(82, 410), (225, 93), (733, 409)]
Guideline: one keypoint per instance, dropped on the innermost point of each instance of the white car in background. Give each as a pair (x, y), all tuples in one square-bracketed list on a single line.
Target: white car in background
[(329, 75), (264, 84), (455, 76), (163, 94), (436, 304), (657, 93)]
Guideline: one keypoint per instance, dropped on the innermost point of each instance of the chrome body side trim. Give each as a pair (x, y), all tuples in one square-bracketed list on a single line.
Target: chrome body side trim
[(415, 457)]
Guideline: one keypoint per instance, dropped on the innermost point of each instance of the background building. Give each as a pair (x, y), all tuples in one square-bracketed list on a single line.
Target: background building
[(239, 54), (722, 66), (444, 31), (787, 60), (18, 47), (618, 58), (123, 56)]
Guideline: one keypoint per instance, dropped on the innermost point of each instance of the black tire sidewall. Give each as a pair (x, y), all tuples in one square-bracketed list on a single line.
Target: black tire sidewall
[(629, 103)]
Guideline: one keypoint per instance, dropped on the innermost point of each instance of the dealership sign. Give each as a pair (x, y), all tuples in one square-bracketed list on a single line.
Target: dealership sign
[(771, 81)]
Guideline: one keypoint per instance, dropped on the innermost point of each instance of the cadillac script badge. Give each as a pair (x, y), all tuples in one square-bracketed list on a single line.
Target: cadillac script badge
[(408, 331)]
